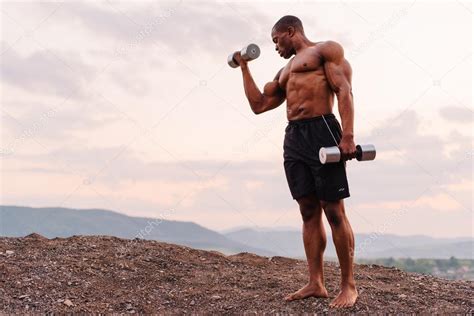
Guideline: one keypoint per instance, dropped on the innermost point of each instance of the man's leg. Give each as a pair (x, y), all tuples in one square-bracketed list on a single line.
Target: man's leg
[(343, 238), (314, 239)]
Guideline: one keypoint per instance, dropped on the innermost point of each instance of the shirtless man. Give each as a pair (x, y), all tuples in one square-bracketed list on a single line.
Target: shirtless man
[(308, 83)]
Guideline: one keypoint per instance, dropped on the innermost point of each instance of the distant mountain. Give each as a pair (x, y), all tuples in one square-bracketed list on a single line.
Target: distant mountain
[(289, 243), (52, 222), (283, 241), (462, 249), (259, 229)]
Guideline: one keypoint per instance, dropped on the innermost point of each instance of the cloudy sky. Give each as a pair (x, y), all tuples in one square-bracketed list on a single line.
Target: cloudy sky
[(130, 106)]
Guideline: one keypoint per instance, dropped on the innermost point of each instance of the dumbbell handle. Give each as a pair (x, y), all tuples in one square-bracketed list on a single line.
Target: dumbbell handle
[(333, 154)]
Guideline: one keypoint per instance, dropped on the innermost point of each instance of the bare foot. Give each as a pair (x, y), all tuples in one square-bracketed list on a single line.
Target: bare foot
[(307, 291), (346, 297)]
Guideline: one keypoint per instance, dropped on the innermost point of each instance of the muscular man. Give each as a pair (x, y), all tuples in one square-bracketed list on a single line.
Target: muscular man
[(308, 82)]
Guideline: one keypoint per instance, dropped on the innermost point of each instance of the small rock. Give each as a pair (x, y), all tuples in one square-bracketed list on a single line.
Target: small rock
[(402, 296), (22, 296), (216, 297), (9, 252), (68, 303), (193, 302)]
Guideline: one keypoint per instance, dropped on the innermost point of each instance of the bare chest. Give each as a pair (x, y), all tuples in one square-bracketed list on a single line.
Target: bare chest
[(308, 61)]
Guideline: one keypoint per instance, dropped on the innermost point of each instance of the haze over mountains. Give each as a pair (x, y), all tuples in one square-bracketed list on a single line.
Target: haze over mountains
[(16, 221), (288, 243), (62, 222)]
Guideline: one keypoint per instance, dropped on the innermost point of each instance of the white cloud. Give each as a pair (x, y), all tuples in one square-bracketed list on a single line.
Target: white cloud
[(457, 114)]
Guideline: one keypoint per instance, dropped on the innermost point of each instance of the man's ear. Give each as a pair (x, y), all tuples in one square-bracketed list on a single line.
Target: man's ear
[(291, 31)]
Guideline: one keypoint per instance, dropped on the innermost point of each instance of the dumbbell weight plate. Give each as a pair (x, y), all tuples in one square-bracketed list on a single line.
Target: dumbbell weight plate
[(329, 154), (251, 51), (231, 61), (365, 152)]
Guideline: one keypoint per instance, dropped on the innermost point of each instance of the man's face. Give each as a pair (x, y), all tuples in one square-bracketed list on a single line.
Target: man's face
[(282, 43)]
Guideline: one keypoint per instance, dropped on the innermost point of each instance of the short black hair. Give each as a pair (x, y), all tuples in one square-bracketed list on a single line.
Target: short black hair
[(288, 20)]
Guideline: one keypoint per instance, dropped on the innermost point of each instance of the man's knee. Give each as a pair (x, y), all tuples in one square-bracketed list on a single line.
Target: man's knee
[(309, 207), (334, 212)]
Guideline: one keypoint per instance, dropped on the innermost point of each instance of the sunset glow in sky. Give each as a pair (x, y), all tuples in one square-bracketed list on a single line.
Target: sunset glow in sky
[(131, 106)]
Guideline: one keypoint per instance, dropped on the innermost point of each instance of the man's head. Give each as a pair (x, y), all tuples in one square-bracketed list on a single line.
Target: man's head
[(283, 34)]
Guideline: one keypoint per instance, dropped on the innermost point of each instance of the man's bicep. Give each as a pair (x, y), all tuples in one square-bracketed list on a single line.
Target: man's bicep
[(337, 68), (277, 97), (338, 75), (273, 92), (273, 96), (277, 91)]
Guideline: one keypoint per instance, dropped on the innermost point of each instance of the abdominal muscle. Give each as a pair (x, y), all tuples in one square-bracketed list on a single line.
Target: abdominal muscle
[(308, 95)]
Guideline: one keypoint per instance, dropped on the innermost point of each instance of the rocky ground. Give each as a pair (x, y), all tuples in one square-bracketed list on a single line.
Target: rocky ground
[(107, 274)]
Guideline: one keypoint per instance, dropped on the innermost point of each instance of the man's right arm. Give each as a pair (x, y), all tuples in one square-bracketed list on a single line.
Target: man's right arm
[(272, 96)]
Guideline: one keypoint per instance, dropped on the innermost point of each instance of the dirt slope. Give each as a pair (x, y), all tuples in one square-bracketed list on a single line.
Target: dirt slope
[(108, 274)]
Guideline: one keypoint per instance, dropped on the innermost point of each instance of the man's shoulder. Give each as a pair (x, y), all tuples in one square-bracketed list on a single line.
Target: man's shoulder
[(331, 50)]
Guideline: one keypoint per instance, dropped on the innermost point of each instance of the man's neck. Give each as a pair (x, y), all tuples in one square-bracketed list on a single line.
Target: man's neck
[(301, 43)]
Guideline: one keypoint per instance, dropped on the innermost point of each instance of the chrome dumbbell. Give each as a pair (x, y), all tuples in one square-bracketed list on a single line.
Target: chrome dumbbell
[(333, 154), (248, 53)]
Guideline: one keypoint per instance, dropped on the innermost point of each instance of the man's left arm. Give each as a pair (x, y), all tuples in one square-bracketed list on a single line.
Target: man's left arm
[(339, 74)]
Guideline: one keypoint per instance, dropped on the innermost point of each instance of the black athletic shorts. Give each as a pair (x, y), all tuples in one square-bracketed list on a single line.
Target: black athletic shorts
[(304, 172)]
